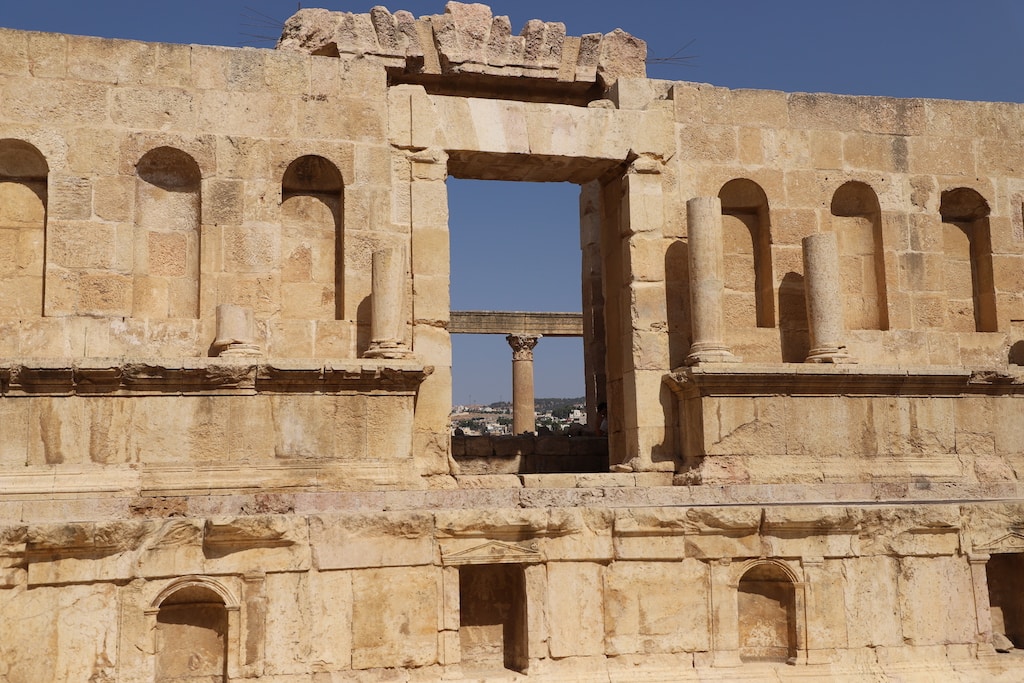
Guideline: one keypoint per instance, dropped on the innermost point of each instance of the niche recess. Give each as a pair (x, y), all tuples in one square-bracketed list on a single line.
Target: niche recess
[(23, 173)]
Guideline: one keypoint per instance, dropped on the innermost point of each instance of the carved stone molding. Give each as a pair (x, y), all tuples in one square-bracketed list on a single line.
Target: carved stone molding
[(494, 552), (206, 376)]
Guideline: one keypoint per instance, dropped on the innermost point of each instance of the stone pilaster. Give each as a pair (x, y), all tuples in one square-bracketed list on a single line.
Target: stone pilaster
[(707, 285), (387, 301), (824, 305), (725, 624), (639, 439), (982, 609), (431, 307), (524, 416)]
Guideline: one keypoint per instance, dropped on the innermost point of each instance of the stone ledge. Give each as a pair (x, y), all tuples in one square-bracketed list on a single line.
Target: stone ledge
[(829, 380), (123, 377)]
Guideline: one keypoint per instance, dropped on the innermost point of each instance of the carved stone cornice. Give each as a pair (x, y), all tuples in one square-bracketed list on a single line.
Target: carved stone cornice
[(206, 376), (813, 379), (494, 552)]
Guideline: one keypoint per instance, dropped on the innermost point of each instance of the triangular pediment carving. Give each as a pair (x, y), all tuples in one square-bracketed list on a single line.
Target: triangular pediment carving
[(1011, 542), (494, 552)]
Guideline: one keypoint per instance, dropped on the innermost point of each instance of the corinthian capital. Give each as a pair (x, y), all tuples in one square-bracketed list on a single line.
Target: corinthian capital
[(522, 345)]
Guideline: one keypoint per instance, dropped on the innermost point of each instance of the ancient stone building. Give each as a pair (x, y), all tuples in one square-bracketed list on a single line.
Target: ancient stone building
[(225, 368)]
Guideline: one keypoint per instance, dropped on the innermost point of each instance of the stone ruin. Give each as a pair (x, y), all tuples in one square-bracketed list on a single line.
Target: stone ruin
[(225, 368)]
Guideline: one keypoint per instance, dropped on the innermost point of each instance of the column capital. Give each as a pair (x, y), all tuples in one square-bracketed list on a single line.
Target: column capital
[(522, 345)]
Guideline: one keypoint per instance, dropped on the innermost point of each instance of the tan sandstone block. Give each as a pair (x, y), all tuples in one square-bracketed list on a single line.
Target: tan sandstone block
[(641, 618), (360, 541), (14, 52), (62, 103), (871, 604), (941, 156), (331, 618), (114, 198), (48, 54), (289, 623), (709, 143), (259, 114), (928, 621), (173, 65), (110, 61), (86, 618), (823, 111), (394, 618), (153, 108), (70, 197), (646, 258), (875, 152), (751, 146), (575, 614)]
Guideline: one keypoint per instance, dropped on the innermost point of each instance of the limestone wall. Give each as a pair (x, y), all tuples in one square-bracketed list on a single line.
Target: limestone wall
[(214, 461), (906, 161), (166, 192), (348, 591)]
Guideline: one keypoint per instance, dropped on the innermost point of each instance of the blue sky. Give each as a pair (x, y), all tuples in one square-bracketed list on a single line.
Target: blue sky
[(948, 49)]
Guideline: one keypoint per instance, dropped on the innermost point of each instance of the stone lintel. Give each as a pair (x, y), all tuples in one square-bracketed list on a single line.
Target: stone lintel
[(32, 377), (832, 380), (516, 322)]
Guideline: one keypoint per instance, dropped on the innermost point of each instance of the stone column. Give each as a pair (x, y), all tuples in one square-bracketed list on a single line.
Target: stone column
[(824, 305), (387, 303), (524, 416), (707, 265), (236, 332)]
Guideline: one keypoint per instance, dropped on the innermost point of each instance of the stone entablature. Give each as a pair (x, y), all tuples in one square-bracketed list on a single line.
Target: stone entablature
[(120, 377), (467, 39)]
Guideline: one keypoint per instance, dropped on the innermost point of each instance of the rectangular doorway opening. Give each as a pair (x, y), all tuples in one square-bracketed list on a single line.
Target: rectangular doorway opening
[(1006, 600), (492, 616)]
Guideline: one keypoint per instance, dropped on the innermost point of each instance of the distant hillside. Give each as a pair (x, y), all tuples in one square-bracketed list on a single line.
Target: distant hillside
[(543, 404)]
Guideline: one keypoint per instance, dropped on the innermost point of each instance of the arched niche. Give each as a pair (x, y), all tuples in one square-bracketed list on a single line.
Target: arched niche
[(167, 235), (192, 633), (767, 605), (23, 196), (857, 222), (312, 210), (967, 267), (747, 246)]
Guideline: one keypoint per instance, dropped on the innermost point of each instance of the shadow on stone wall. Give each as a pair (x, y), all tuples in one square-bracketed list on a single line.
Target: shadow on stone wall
[(527, 454)]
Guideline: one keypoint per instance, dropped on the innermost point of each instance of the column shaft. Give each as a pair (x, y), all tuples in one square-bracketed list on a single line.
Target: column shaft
[(524, 415), (824, 305), (707, 264), (387, 304)]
